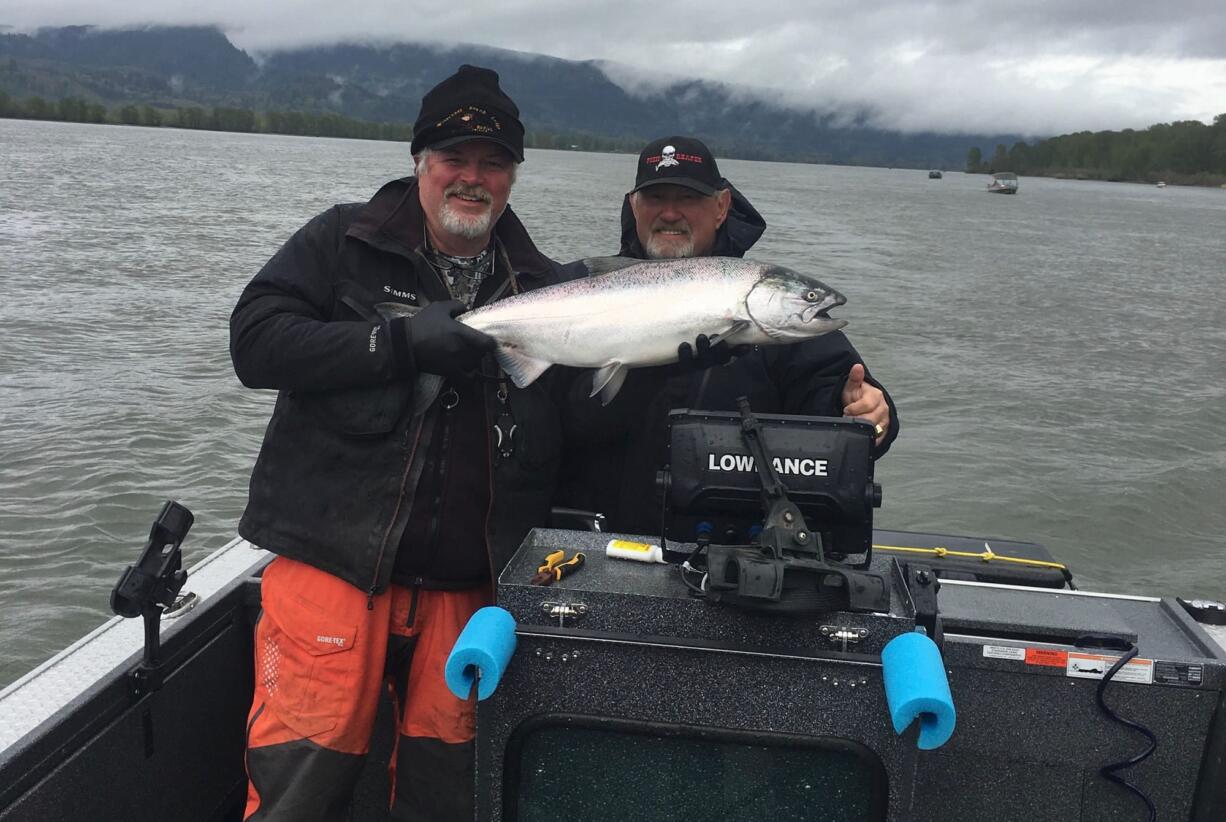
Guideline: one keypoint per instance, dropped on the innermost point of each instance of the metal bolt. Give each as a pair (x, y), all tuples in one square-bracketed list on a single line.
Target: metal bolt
[(825, 678), (825, 630), (801, 537), (863, 632), (566, 657), (787, 516), (549, 656)]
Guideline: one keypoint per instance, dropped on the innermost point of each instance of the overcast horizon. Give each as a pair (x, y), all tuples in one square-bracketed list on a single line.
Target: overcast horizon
[(970, 66)]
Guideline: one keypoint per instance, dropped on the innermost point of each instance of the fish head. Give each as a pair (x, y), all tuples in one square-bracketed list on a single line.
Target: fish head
[(788, 306)]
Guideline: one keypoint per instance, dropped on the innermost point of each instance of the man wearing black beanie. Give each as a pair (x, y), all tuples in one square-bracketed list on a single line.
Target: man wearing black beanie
[(400, 468)]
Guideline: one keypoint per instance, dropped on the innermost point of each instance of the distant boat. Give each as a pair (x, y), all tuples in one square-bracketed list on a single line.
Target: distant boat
[(934, 175), (1003, 182), (1161, 184)]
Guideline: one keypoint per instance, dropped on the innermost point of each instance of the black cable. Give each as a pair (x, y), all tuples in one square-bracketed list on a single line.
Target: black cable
[(1109, 771), (695, 590)]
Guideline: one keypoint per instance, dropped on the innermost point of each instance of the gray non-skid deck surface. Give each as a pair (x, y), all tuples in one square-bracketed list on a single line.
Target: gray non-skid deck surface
[(1002, 612)]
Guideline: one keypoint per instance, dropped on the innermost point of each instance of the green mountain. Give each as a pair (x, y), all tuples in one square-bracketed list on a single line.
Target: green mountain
[(169, 67)]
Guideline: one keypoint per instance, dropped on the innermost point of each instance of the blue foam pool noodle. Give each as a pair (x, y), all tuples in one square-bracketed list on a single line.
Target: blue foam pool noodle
[(916, 687), (481, 653)]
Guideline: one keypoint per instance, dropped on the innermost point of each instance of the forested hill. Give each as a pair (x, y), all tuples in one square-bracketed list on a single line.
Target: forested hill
[(167, 69), (1188, 152)]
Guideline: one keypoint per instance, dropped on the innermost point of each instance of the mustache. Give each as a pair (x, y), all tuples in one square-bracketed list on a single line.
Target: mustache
[(468, 191), (681, 225)]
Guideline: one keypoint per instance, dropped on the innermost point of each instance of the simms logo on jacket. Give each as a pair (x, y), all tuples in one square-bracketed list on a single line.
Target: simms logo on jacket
[(396, 292), (797, 466)]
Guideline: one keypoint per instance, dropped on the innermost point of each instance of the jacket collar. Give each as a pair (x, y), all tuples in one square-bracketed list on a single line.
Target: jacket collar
[(742, 228), (393, 221)]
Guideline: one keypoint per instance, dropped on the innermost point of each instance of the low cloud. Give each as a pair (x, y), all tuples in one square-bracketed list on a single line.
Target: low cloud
[(1046, 67)]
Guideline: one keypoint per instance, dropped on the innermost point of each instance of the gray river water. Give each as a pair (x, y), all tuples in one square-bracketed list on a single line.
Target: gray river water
[(1058, 357)]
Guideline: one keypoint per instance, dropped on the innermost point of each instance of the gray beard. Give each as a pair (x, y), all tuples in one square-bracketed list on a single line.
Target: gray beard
[(657, 250), (470, 228)]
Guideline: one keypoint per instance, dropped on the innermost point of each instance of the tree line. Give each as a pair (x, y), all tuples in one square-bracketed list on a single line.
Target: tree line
[(217, 118), (1187, 151), (226, 118)]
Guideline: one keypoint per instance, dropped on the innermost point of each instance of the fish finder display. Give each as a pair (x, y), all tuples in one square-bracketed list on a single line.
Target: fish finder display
[(825, 465)]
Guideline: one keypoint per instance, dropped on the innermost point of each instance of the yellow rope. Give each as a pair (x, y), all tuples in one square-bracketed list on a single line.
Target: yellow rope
[(987, 555)]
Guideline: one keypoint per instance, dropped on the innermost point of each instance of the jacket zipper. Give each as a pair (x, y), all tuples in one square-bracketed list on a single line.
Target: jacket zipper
[(408, 467), (441, 478), (489, 507)]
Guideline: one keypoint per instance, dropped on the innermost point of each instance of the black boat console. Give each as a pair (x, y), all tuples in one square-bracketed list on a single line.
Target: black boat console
[(745, 678)]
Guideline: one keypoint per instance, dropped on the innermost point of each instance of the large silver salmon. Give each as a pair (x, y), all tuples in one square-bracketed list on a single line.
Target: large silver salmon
[(634, 313)]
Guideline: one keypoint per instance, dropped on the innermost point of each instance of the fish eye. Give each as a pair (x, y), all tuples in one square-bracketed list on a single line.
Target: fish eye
[(812, 296)]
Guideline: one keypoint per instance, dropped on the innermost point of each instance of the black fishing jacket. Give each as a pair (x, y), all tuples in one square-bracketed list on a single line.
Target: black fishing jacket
[(342, 456), (612, 470)]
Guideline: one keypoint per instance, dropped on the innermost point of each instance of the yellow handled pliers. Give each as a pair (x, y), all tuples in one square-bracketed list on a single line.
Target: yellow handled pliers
[(557, 566)]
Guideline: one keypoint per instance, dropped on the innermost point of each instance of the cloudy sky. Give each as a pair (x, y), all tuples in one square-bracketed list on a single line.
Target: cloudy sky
[(1023, 66)]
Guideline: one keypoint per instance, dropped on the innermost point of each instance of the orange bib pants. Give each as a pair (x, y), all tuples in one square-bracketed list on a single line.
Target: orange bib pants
[(322, 660)]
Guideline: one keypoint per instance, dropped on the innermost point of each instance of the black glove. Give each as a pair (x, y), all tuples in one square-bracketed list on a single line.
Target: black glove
[(443, 345), (703, 355)]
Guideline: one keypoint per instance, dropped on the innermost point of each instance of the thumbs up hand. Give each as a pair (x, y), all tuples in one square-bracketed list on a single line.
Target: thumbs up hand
[(867, 401)]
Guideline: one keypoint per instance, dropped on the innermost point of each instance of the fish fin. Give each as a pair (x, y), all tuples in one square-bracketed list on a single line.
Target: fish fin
[(390, 311), (607, 381), (736, 328), (426, 391), (603, 265), (521, 368)]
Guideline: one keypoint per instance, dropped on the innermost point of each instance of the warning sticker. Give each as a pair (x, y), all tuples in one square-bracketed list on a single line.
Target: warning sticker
[(1095, 666), (1004, 652), (1046, 656)]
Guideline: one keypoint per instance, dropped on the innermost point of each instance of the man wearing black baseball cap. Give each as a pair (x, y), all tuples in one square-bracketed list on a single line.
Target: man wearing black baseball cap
[(391, 483), (681, 206), (679, 199)]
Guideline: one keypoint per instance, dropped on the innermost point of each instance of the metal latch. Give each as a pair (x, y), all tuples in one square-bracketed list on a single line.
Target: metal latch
[(562, 611), (843, 636)]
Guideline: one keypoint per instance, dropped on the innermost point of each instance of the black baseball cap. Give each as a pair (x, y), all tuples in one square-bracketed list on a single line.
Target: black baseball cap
[(678, 161), (468, 105)]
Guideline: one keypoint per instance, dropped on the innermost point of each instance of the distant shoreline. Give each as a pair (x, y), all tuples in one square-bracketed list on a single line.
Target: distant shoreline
[(298, 124)]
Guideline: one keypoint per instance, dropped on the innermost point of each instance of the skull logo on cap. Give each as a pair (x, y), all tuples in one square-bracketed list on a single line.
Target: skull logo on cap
[(669, 158)]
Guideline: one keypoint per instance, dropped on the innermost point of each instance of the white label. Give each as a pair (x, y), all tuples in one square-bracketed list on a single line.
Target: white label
[(1004, 652), (1095, 666), (744, 463)]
